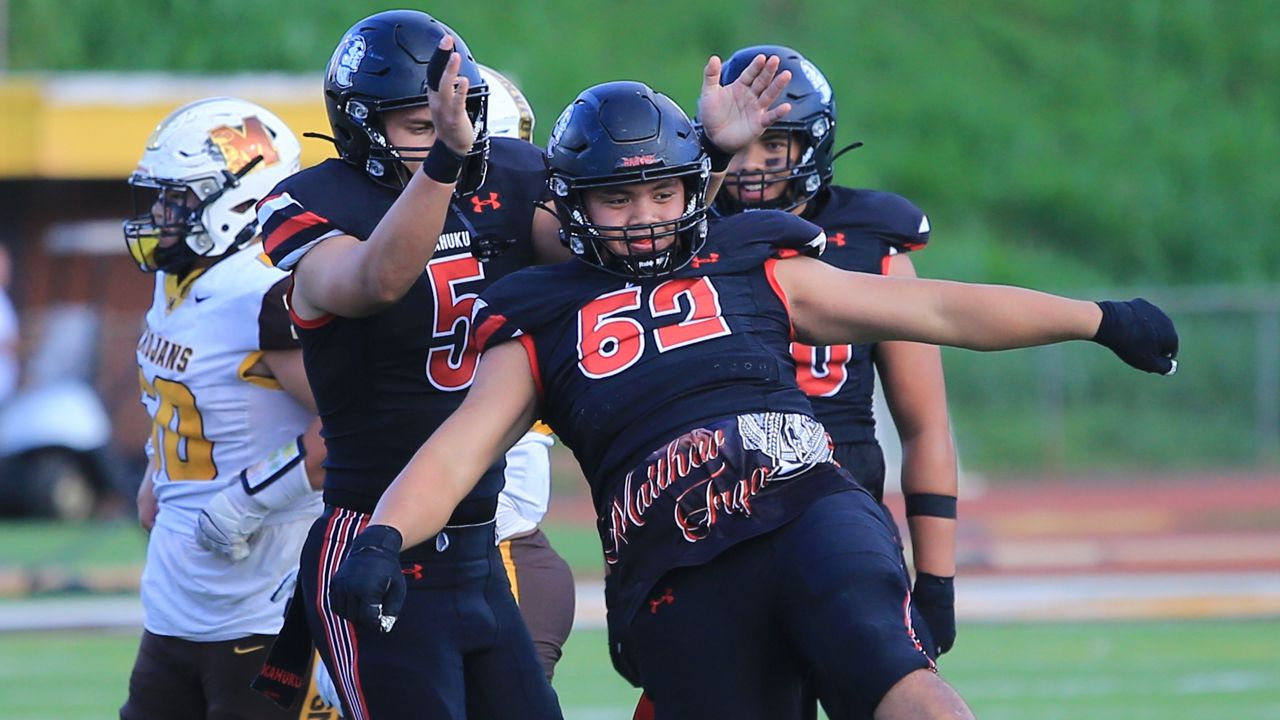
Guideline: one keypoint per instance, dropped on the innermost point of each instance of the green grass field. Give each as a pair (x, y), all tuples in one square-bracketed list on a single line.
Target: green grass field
[(1145, 671)]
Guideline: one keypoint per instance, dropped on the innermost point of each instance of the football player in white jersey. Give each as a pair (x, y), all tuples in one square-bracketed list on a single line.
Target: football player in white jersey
[(234, 452)]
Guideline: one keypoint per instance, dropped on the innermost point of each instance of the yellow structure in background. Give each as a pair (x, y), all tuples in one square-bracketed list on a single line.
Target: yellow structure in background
[(92, 126)]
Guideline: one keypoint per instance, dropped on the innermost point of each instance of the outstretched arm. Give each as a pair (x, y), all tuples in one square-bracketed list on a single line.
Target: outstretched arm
[(831, 306), (346, 277)]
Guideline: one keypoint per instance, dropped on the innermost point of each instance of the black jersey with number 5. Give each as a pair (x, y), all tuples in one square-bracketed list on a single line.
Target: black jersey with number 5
[(385, 382)]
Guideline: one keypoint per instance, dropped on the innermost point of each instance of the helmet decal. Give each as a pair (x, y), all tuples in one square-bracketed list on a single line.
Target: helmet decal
[(817, 79), (242, 145), (379, 66), (346, 62), (198, 179), (557, 130)]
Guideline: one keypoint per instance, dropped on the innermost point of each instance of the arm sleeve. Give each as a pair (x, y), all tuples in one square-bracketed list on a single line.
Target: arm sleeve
[(275, 329)]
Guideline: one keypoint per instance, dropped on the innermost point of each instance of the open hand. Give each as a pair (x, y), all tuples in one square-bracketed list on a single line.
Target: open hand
[(447, 98), (735, 114)]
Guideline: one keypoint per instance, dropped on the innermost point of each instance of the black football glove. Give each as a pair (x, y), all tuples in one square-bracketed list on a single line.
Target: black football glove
[(368, 588), (435, 67), (935, 598), (1140, 333)]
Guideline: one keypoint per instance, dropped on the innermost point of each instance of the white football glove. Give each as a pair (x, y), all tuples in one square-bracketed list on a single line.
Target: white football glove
[(227, 524)]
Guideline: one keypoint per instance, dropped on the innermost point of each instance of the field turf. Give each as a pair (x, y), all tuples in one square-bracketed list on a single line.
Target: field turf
[(1098, 671)]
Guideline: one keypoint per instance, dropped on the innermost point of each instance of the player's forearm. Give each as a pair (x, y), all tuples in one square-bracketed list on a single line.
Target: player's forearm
[(929, 468), (398, 249), (999, 317), (425, 494)]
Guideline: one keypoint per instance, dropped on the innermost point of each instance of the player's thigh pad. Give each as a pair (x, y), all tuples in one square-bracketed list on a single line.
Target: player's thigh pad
[(504, 679), (165, 682), (709, 645), (849, 611), (544, 589)]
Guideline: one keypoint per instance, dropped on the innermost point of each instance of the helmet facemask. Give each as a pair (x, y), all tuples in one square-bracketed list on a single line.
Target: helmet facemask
[(364, 129), (592, 241), (182, 206), (200, 176), (802, 178)]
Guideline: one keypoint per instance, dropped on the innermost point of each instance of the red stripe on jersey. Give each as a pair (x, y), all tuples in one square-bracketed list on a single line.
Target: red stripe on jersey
[(265, 200), (302, 322), (644, 709), (770, 266), (527, 343), (884, 264), (291, 227), (784, 253), (483, 332)]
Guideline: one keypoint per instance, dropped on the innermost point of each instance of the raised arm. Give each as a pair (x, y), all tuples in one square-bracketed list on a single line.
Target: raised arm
[(344, 276), (735, 114), (368, 588), (830, 306)]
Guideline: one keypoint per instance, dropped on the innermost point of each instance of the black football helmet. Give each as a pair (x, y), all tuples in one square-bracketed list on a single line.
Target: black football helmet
[(380, 65), (620, 133), (812, 121)]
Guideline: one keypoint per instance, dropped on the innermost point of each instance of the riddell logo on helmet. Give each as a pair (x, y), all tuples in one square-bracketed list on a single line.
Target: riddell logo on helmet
[(239, 146), (638, 160)]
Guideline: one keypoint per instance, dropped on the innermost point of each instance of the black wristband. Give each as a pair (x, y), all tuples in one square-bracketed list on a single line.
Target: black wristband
[(442, 164), (931, 505), (719, 158), (926, 582)]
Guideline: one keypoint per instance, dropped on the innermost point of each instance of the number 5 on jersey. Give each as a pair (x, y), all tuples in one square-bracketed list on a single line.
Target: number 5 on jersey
[(609, 343), (452, 366)]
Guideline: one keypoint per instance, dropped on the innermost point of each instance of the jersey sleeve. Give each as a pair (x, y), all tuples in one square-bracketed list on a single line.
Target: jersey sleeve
[(738, 242), (275, 329), (906, 227), (524, 303), (288, 228), (490, 327)]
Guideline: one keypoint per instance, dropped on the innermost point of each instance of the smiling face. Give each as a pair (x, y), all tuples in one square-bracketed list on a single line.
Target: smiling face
[(760, 173), (644, 213)]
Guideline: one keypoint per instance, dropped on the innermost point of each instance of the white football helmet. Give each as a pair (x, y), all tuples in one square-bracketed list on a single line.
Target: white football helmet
[(204, 169), (510, 114)]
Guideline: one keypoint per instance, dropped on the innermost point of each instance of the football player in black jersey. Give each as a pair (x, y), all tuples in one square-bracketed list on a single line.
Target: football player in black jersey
[(790, 168), (743, 561), (420, 184)]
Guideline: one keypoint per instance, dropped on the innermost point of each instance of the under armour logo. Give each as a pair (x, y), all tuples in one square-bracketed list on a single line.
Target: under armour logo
[(837, 238), (698, 262), (666, 599), (413, 571), (478, 205)]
